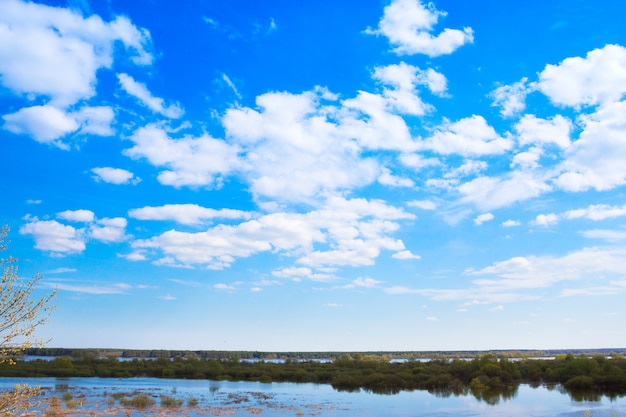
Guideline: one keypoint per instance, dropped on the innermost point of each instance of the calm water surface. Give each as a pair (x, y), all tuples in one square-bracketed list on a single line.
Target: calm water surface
[(241, 399)]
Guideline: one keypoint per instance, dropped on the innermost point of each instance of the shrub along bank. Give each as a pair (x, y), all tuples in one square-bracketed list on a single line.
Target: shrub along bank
[(597, 373)]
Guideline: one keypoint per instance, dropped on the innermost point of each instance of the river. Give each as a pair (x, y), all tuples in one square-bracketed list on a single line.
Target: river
[(239, 399)]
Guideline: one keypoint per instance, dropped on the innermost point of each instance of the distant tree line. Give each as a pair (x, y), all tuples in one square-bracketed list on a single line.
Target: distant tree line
[(483, 375), (257, 355)]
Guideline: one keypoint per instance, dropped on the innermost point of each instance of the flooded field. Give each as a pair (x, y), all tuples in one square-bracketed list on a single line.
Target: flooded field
[(151, 397)]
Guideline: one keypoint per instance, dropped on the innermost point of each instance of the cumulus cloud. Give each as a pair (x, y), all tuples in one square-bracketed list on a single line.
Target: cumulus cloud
[(48, 124), (293, 152), (423, 204), (188, 161), (408, 24), (596, 159), (188, 214), (511, 98), (596, 212), (386, 178), (599, 78), (511, 223), (342, 232), (109, 229), (546, 219), (54, 237), (141, 92), (114, 175), (55, 52), (482, 218), (405, 255), (96, 289), (535, 131), (45, 124), (470, 136), (85, 216), (488, 193), (518, 278), (404, 80)]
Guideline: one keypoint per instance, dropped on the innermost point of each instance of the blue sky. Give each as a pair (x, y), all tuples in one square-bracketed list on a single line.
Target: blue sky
[(316, 175)]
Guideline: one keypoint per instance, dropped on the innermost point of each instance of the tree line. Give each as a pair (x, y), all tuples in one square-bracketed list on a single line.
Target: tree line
[(482, 375)]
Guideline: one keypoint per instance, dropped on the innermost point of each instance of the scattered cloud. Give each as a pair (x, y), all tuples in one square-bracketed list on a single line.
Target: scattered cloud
[(408, 24), (511, 98), (118, 288), (187, 214), (511, 223), (188, 161), (224, 287), (575, 82), (83, 216), (114, 175), (141, 92), (405, 255), (53, 236), (483, 218)]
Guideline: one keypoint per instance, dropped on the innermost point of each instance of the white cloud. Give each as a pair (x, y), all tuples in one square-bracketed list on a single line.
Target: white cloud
[(511, 98), (363, 283), (61, 270), (45, 124), (405, 255), (53, 236), (408, 25), (109, 229), (293, 152), (599, 78), (546, 219), (596, 212), (91, 289), (135, 256), (188, 161), (423, 204), (370, 119), (141, 92), (224, 287), (489, 193), (532, 130), (54, 52), (482, 218), (231, 85), (405, 79), (85, 216), (114, 175), (471, 136), (511, 223), (596, 159), (609, 235), (342, 232), (544, 271), (468, 168), (417, 161), (386, 178), (189, 214), (518, 278), (95, 120)]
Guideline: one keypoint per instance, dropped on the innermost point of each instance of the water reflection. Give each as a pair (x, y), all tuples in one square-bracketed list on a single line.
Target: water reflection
[(202, 398)]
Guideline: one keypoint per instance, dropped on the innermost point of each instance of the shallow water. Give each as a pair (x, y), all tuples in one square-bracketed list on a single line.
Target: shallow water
[(239, 399)]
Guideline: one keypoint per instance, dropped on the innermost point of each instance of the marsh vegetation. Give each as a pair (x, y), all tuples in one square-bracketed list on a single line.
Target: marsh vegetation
[(482, 375)]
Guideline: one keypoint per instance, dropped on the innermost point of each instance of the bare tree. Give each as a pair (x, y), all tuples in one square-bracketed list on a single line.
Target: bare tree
[(20, 315)]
